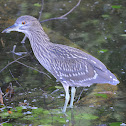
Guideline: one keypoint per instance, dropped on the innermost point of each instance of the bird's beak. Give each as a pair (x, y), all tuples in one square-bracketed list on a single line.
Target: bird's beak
[(11, 28)]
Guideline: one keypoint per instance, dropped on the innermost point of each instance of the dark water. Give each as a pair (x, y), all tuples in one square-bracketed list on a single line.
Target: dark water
[(96, 27)]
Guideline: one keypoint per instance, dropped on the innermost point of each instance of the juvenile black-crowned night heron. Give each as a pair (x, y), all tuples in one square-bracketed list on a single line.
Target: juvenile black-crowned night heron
[(71, 66)]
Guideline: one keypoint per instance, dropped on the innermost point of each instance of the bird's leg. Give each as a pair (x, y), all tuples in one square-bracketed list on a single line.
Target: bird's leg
[(73, 90), (67, 97)]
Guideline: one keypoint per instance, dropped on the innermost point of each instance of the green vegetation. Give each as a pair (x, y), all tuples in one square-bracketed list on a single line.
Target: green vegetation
[(96, 27)]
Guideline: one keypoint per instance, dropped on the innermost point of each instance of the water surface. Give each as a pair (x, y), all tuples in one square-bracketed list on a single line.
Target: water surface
[(96, 27)]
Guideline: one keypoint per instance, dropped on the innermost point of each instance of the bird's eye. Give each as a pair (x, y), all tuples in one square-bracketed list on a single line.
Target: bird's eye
[(23, 22)]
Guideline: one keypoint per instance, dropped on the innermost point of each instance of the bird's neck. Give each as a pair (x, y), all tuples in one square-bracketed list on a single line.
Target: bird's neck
[(40, 45), (38, 37), (39, 41)]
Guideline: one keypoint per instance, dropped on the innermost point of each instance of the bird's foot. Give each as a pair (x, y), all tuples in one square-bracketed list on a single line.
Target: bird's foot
[(70, 106), (64, 113)]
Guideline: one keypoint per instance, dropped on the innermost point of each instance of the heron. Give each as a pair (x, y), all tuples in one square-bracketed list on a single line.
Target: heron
[(70, 66)]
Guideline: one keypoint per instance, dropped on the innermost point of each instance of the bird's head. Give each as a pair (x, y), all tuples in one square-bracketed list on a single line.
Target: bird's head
[(23, 24)]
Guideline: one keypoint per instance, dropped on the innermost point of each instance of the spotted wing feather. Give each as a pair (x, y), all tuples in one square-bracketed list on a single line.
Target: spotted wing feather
[(76, 67)]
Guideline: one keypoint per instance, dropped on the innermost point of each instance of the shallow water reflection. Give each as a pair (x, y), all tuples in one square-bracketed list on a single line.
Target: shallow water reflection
[(96, 27)]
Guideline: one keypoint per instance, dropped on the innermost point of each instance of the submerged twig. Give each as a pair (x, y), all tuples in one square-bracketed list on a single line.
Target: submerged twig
[(14, 47), (33, 69), (80, 95), (63, 16), (12, 62), (16, 60), (14, 78), (71, 9), (55, 91), (40, 13)]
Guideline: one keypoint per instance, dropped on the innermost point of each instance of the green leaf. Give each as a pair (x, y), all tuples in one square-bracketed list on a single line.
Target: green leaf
[(58, 87), (103, 50), (7, 79), (105, 16), (15, 115), (89, 116), (102, 95), (46, 112), (116, 6), (6, 124), (35, 71), (4, 114), (37, 5), (115, 124), (19, 109), (37, 111)]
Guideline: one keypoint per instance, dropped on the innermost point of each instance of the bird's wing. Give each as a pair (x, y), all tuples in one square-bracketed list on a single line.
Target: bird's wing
[(72, 70), (66, 52), (73, 65)]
